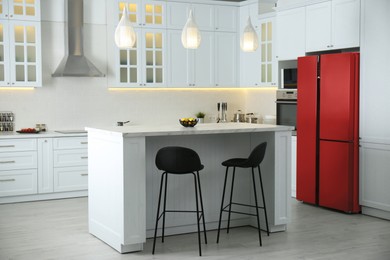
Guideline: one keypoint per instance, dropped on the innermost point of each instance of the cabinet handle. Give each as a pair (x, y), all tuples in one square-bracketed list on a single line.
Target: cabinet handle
[(83, 142), (4, 162), (84, 157), (7, 180), (84, 174), (7, 146)]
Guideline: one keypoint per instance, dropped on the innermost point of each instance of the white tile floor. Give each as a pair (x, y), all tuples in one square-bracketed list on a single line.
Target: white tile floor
[(58, 229)]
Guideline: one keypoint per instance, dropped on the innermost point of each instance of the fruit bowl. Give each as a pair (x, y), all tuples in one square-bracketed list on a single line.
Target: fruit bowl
[(188, 121)]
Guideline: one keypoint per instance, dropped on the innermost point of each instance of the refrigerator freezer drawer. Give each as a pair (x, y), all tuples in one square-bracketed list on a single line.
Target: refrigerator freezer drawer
[(337, 172)]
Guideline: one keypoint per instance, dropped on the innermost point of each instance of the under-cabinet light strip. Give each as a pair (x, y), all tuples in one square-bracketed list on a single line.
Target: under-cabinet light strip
[(191, 89)]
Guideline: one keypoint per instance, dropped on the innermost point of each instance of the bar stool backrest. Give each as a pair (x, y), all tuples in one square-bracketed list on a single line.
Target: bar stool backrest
[(178, 160), (256, 156)]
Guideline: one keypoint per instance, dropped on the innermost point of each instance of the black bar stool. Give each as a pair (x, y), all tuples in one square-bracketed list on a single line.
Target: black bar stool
[(179, 160), (253, 161)]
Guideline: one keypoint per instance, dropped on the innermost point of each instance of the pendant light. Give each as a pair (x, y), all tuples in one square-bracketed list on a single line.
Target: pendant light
[(125, 36), (249, 40), (190, 36)]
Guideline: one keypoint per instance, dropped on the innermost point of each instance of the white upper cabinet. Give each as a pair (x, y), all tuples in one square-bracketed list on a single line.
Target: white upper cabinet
[(226, 18), (332, 25), (269, 64), (318, 27), (249, 61), (192, 68), (143, 65), (346, 23), (291, 33), (20, 44), (144, 13), (27, 10), (226, 59), (177, 15), (207, 17)]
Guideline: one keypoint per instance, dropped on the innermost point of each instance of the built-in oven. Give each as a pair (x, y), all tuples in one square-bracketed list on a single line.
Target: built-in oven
[(286, 107)]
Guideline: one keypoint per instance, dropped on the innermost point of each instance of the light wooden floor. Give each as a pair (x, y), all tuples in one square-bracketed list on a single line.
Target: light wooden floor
[(58, 229)]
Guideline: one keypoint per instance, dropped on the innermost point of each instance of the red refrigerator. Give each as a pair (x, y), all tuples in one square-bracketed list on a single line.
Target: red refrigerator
[(328, 131)]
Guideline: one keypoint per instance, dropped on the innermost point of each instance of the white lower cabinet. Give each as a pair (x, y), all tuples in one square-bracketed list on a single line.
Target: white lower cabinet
[(18, 182), (293, 166), (45, 165), (70, 159), (70, 178), (43, 168), (375, 177), (18, 167)]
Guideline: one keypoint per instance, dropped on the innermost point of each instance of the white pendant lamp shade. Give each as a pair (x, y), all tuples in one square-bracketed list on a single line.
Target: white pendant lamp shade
[(249, 40), (125, 36), (190, 36)]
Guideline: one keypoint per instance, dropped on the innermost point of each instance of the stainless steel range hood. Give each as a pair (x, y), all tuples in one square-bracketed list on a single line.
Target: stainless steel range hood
[(75, 64)]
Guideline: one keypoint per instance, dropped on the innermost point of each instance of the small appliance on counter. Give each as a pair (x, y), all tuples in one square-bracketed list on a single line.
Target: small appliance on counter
[(251, 118), (239, 117)]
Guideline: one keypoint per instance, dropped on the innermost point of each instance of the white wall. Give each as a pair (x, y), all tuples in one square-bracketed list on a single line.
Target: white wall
[(73, 103)]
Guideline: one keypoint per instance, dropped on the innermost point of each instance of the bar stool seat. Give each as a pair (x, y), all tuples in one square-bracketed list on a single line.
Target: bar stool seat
[(179, 161), (253, 161)]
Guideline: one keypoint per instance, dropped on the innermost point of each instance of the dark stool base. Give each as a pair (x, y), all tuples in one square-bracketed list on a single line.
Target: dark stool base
[(229, 205), (199, 213)]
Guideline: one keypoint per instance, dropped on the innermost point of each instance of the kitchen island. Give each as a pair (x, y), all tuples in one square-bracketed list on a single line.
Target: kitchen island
[(123, 179)]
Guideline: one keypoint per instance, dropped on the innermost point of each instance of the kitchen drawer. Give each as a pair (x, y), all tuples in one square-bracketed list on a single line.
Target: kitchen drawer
[(70, 143), (70, 178), (18, 160), (20, 182), (64, 158), (15, 145)]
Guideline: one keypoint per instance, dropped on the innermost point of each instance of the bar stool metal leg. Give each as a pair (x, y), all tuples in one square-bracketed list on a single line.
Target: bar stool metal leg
[(257, 206), (197, 214), (165, 204), (201, 205), (231, 197), (158, 212), (262, 194), (223, 198)]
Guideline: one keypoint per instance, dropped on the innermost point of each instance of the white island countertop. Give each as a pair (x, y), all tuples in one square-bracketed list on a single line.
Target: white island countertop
[(177, 129)]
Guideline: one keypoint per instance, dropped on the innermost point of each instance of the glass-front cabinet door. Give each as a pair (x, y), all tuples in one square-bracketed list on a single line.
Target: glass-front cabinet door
[(144, 13), (25, 53), (268, 70), (143, 65), (27, 10), (129, 65), (4, 54), (154, 57)]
